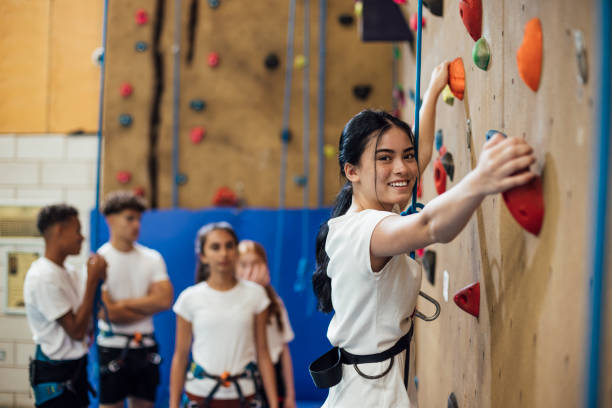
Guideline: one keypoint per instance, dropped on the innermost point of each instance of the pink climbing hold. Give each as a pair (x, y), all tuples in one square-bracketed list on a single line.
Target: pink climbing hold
[(420, 252), (414, 22), (197, 134), (124, 177), (400, 1), (213, 59), (142, 17), (126, 89)]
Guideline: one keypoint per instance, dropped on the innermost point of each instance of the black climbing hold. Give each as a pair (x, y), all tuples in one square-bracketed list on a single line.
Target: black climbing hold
[(452, 401), (435, 6), (449, 164), (271, 62), (286, 135), (197, 105), (362, 91), (384, 21), (346, 19), (429, 263)]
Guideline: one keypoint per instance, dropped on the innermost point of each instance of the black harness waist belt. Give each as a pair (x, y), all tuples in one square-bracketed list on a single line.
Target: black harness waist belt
[(326, 371)]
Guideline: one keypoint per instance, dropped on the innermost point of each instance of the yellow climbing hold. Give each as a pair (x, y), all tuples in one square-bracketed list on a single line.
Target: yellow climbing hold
[(358, 8), (299, 62), (448, 96), (329, 151)]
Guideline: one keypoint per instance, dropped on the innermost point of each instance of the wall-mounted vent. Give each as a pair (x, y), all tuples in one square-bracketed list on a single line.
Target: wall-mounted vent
[(18, 221)]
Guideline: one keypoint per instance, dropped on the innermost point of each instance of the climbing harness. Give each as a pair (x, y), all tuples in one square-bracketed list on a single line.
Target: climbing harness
[(116, 364)]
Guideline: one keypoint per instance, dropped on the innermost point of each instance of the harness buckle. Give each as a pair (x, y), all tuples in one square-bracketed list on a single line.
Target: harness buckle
[(224, 378), (138, 337)]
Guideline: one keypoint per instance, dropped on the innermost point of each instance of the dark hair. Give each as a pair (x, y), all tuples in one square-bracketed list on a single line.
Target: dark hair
[(53, 214), (202, 269), (274, 309), (355, 136), (118, 201)]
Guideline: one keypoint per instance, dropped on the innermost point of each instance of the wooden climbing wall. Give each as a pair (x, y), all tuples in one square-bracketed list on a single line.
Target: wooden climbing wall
[(244, 101), (527, 349)]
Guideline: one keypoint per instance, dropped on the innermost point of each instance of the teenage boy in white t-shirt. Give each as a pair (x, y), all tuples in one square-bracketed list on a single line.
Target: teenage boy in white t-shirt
[(59, 303), (136, 288)]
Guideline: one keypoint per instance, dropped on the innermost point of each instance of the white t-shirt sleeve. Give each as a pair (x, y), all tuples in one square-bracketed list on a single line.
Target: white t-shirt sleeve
[(159, 269), (182, 306), (261, 300), (51, 300), (360, 231)]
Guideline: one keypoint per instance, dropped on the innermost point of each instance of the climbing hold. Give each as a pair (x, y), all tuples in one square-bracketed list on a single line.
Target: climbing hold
[(439, 139), (439, 176), (181, 179), (413, 97), (213, 3), (435, 6), (299, 61), (300, 180), (481, 54), (225, 197), (452, 401), (197, 105), (139, 191), (346, 19), (419, 189), (197, 134), (97, 56), (400, 1), (141, 46), (492, 132), (442, 150), (420, 252), (126, 89), (468, 299), (445, 283), (286, 135), (362, 91), (142, 17), (213, 59), (271, 62), (416, 382), (397, 53), (526, 204), (125, 120), (448, 164), (471, 14), (397, 113), (398, 95), (384, 21), (123, 177), (529, 54), (447, 95), (429, 264), (456, 77), (358, 8), (329, 151), (581, 57), (414, 21)]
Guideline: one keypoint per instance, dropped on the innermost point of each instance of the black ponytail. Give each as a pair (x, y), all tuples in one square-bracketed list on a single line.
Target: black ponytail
[(355, 136)]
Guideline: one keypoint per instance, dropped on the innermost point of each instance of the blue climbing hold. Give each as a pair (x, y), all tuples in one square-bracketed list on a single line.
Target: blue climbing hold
[(300, 180), (141, 46), (125, 120), (439, 139), (492, 132), (197, 105), (416, 382), (286, 135), (213, 3), (181, 179)]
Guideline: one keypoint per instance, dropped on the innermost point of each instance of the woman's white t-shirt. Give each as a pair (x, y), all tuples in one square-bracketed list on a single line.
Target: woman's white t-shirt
[(277, 338), (223, 324), (372, 312)]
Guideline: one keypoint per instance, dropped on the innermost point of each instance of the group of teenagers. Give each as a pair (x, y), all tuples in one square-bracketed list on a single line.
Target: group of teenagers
[(232, 330)]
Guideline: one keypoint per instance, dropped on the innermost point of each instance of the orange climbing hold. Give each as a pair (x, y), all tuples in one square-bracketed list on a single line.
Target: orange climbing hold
[(456, 77), (526, 204), (529, 54)]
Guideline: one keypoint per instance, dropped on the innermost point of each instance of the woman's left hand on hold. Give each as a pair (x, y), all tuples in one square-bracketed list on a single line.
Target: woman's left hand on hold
[(439, 77)]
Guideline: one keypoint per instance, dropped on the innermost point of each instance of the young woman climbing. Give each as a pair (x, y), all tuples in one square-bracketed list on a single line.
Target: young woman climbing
[(226, 319), (253, 266), (363, 271)]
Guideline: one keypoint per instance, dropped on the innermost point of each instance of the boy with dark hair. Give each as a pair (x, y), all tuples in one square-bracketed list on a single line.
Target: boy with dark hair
[(136, 288), (59, 303)]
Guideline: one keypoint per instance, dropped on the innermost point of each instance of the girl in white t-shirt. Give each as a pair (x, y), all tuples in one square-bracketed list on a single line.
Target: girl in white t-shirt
[(363, 273), (225, 317), (253, 266)]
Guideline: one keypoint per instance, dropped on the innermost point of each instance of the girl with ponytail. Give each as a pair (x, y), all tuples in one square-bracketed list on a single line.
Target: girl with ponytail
[(363, 271)]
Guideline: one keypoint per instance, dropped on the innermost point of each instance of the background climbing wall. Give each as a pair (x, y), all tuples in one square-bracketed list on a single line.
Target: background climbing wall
[(528, 346), (242, 145)]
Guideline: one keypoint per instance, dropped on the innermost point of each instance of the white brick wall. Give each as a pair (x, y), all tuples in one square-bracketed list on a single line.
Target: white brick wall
[(41, 169)]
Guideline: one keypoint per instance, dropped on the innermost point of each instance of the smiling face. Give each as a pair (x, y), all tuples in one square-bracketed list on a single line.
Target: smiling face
[(386, 172), (220, 252)]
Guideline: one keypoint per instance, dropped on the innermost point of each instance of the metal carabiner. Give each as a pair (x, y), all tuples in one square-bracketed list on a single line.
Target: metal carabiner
[(434, 302)]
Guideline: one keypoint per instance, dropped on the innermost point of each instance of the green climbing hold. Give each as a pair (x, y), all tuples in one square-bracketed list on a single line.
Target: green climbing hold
[(481, 54), (397, 53)]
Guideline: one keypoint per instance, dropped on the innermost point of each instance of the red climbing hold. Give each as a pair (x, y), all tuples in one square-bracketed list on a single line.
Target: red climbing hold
[(420, 252), (126, 89), (213, 59), (142, 17), (400, 1), (419, 189), (456, 78), (471, 14), (197, 134), (225, 197), (139, 191), (414, 22), (124, 177), (529, 54), (439, 176), (468, 299), (526, 204)]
